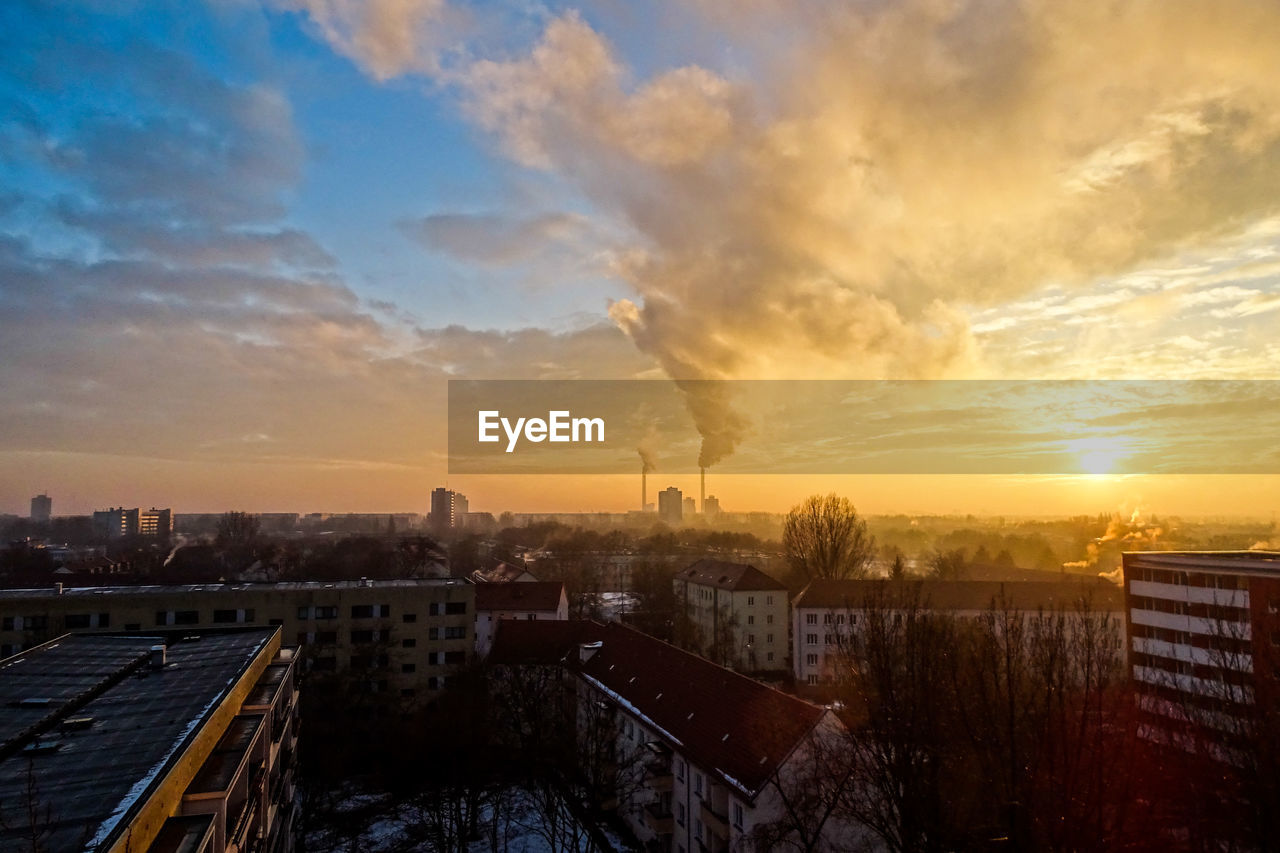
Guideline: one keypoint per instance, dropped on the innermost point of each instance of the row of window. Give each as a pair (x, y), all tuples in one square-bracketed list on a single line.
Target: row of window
[(1198, 579), (381, 611), (768, 619), (358, 636), (1217, 612)]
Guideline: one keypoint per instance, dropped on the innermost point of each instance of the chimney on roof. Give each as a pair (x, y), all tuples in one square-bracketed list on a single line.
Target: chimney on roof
[(157, 656), (587, 650), (57, 587)]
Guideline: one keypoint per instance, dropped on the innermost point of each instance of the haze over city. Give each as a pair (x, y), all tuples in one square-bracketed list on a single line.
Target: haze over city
[(245, 245)]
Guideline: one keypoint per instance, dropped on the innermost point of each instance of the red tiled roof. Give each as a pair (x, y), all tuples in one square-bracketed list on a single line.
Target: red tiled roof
[(728, 724), (538, 595), (725, 575), (967, 595)]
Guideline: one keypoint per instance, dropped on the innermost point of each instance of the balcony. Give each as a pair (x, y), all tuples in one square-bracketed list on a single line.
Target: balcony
[(659, 819), (657, 776), (713, 820)]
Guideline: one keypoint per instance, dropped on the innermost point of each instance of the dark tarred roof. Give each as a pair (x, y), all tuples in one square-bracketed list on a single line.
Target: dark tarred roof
[(728, 724), (725, 575), (536, 595), (968, 595)]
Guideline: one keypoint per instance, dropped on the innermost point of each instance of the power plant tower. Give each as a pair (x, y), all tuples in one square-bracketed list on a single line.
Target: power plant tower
[(702, 495), (644, 488)]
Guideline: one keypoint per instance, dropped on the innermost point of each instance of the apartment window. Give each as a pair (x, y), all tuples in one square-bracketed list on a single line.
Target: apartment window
[(768, 620), (408, 667), (186, 617), (77, 620), (532, 617), (811, 619), (455, 632), (811, 679), (680, 813), (769, 657), (327, 612), (433, 683), (839, 618), (364, 636), (751, 639), (409, 617), (737, 815), (362, 611), (751, 620), (811, 639), (7, 623), (826, 639), (455, 657), (455, 608), (433, 658), (697, 828), (223, 616), (811, 660), (826, 619), (768, 638), (680, 769), (434, 608), (408, 643), (162, 617), (304, 612), (433, 633), (768, 599), (751, 600), (697, 784)]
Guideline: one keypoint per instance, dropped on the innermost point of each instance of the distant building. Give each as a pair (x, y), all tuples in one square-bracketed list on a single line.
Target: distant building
[(1204, 643), (157, 523), (702, 756), (670, 505), (737, 613), (448, 509), (827, 610), (401, 636), (116, 522), (689, 507), (41, 508), (711, 507), (142, 744), (539, 601)]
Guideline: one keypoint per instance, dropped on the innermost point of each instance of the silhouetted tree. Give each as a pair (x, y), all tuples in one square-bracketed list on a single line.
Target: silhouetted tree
[(825, 538)]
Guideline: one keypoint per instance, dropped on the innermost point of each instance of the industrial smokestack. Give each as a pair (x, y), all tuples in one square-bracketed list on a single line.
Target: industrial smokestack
[(644, 487), (702, 504)]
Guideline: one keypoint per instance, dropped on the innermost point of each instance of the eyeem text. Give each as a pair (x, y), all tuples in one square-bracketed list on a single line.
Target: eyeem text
[(559, 426)]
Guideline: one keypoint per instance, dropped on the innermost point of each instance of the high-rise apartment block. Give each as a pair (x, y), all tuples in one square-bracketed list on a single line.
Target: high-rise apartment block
[(41, 508)]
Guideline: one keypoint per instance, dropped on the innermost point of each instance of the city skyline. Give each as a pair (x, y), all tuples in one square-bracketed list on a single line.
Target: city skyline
[(243, 247)]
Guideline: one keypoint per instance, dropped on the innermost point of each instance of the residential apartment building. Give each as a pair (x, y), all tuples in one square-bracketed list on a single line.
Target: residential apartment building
[(403, 636), (448, 508), (737, 615), (703, 754), (115, 744), (540, 600), (41, 508), (1204, 641), (671, 505), (827, 610)]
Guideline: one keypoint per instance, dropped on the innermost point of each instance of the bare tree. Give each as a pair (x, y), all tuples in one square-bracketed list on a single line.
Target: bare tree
[(825, 538)]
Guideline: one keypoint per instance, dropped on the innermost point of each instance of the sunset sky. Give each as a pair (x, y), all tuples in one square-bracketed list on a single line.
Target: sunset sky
[(244, 246)]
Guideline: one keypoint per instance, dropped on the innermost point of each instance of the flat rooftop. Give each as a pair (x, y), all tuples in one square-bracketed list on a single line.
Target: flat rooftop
[(110, 729), (1235, 562), (216, 588)]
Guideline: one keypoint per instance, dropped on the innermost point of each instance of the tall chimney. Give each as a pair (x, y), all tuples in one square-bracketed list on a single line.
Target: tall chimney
[(644, 489), (702, 505)]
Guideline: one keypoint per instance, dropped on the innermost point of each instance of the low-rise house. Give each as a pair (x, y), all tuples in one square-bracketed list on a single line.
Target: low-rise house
[(736, 615), (701, 755), (826, 610), (539, 600)]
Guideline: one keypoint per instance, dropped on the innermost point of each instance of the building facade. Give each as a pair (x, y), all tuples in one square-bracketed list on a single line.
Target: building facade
[(826, 611), (735, 614), (700, 755), (448, 509), (1204, 642), (184, 744), (399, 636)]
